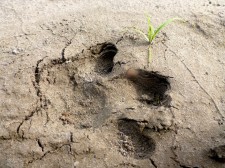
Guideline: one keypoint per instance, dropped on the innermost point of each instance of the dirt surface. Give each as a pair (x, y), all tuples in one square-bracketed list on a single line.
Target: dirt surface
[(66, 100)]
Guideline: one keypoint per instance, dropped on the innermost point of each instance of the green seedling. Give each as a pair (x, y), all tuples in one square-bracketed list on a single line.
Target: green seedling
[(152, 33)]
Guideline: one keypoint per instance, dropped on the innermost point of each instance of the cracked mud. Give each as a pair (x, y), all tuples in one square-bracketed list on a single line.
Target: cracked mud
[(73, 92)]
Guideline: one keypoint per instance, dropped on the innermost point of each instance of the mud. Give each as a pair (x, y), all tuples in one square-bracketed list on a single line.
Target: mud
[(77, 91)]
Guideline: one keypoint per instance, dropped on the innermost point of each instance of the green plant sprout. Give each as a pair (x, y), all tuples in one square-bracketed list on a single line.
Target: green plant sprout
[(152, 33)]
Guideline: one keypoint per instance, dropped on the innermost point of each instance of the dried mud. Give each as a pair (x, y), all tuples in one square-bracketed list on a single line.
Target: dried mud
[(76, 91)]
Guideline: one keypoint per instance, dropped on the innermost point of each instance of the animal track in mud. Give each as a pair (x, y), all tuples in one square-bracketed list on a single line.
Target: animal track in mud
[(73, 89), (133, 142), (151, 86), (105, 60), (218, 153)]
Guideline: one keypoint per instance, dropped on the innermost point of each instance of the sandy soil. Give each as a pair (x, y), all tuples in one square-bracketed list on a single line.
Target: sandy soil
[(66, 101)]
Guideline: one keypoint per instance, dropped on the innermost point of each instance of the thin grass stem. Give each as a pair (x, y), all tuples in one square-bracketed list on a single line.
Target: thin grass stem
[(149, 55)]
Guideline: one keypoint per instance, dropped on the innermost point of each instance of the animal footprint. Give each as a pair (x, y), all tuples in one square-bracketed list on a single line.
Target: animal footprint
[(151, 86)]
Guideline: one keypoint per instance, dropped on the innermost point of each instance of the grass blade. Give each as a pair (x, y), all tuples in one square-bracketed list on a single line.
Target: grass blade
[(142, 33), (163, 25), (150, 29)]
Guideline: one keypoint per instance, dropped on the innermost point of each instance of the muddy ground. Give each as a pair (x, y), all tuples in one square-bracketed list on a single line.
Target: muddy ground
[(66, 100)]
